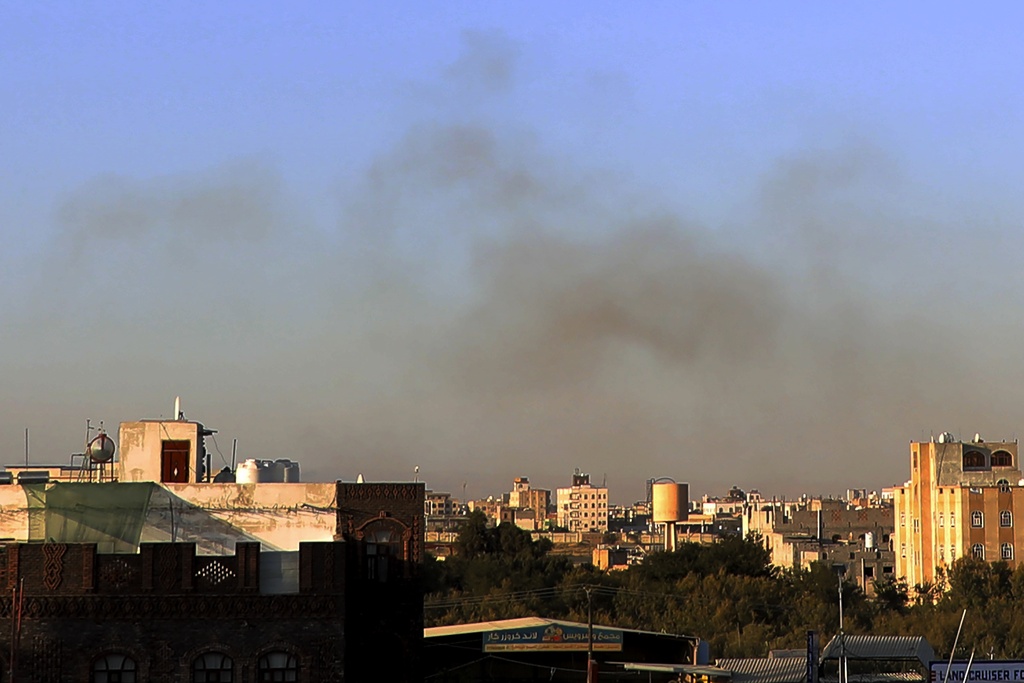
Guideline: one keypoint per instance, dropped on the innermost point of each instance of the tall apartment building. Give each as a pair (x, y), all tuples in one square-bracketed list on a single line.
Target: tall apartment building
[(961, 498), (583, 506), (523, 496)]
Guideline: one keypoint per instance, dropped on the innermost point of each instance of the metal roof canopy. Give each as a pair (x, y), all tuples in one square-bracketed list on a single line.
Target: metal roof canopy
[(695, 670), (892, 648), (766, 669), (527, 622)]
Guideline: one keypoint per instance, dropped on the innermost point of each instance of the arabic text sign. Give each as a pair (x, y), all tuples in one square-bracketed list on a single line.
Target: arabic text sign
[(550, 638), (982, 671)]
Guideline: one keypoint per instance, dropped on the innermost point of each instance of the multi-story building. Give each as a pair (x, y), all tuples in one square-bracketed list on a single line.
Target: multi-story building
[(437, 504), (583, 506), (525, 497), (826, 530), (961, 498)]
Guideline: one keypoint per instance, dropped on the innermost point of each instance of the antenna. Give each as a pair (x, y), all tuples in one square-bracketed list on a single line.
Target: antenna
[(234, 446), (26, 446)]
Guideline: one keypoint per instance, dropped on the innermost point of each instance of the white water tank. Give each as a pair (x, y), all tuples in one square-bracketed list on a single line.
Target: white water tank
[(869, 540), (671, 502), (248, 472)]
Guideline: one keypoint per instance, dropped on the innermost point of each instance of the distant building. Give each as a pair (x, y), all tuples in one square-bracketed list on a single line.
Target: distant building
[(962, 498), (437, 504), (525, 497), (826, 530), (583, 506)]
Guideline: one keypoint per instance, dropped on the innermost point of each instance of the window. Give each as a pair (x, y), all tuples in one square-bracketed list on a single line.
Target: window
[(1005, 518), (1002, 459), (212, 667), (952, 553), (277, 666), (903, 549), (1006, 551), (952, 520), (942, 553), (903, 519), (978, 550), (917, 525), (113, 668), (974, 460), (383, 545), (977, 519), (941, 518), (1004, 486)]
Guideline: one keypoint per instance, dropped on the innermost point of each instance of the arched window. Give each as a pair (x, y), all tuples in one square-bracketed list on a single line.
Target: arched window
[(974, 460), (1002, 459), (978, 550), (1006, 551), (1004, 486), (113, 668), (277, 666), (977, 519), (212, 667), (383, 545), (1005, 518)]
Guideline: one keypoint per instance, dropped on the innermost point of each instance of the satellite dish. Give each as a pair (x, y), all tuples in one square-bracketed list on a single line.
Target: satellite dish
[(101, 449)]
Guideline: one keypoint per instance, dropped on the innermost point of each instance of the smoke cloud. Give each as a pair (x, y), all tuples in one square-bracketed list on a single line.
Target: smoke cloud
[(486, 309)]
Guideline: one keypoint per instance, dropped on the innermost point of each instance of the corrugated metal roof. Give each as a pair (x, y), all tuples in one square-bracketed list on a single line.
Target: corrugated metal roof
[(526, 622), (766, 669), (894, 677), (881, 647), (694, 670)]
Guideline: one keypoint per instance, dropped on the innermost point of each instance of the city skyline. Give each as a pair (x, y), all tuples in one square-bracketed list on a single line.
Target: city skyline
[(727, 245)]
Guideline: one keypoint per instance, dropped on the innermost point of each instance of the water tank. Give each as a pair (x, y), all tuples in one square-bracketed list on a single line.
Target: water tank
[(248, 472), (272, 472), (671, 501), (101, 449), (225, 476), (33, 477), (869, 540), (6, 477), (291, 471)]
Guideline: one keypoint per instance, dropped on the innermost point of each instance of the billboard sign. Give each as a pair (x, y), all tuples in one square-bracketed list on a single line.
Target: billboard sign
[(551, 638), (982, 671)]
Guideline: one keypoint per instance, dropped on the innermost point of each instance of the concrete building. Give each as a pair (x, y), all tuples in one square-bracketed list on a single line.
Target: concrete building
[(525, 497), (961, 498), (437, 504), (583, 506), (276, 580), (826, 530)]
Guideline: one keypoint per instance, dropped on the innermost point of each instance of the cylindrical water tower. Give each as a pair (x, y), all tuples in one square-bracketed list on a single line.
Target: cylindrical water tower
[(671, 503)]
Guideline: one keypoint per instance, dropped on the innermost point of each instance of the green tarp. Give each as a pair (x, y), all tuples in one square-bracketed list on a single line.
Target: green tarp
[(110, 515)]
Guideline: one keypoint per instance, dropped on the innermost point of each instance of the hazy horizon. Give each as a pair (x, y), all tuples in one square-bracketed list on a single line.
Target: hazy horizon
[(763, 246)]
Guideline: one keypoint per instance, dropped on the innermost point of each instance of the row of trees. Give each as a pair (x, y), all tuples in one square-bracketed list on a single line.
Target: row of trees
[(727, 593)]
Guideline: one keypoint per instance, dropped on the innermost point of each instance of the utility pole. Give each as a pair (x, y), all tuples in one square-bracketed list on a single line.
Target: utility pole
[(843, 677), (590, 635)]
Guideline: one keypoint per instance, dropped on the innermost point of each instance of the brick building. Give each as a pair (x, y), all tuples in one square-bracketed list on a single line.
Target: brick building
[(350, 609)]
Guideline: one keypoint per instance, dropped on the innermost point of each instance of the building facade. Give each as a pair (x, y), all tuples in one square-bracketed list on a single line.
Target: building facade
[(583, 506), (962, 498)]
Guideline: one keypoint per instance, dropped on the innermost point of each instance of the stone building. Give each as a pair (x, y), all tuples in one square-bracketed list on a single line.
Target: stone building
[(961, 499)]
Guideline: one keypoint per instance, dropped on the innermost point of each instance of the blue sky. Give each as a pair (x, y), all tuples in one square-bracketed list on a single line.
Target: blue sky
[(222, 200)]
